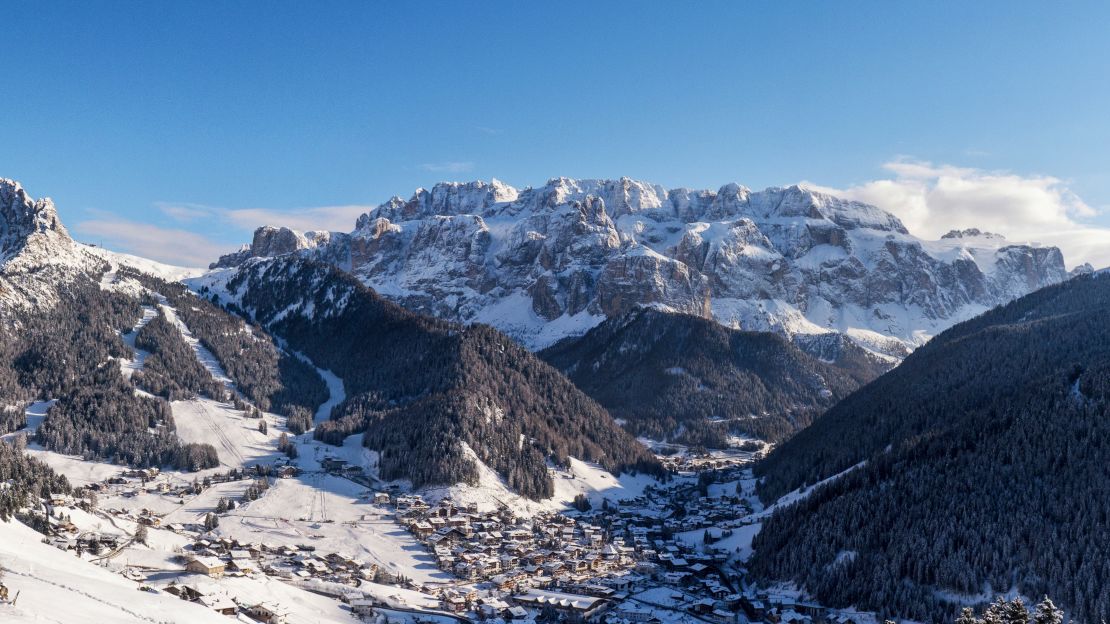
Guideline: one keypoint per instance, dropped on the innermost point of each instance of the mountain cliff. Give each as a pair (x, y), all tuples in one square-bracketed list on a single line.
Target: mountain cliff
[(545, 263), (37, 255)]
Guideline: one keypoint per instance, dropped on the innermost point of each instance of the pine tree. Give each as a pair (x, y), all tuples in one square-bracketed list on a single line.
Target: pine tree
[(141, 534), (262, 427), (1047, 613), (1014, 612)]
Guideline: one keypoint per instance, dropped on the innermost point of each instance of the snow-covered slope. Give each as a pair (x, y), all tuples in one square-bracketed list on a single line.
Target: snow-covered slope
[(55, 586), (544, 263), (38, 257), (168, 272)]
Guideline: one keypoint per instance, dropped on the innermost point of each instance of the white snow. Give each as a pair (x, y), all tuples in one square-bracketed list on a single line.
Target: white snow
[(235, 436), (206, 358), (336, 392), (585, 478), (332, 514), (167, 272), (55, 586), (129, 366), (34, 413), (796, 495), (78, 470)]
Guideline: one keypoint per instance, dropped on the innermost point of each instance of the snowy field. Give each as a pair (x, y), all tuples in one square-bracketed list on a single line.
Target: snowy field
[(55, 586), (585, 478), (235, 436), (333, 515)]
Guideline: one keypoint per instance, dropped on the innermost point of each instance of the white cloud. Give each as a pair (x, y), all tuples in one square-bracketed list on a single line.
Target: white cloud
[(172, 246), (189, 247), (185, 211), (448, 167), (933, 199), (334, 218)]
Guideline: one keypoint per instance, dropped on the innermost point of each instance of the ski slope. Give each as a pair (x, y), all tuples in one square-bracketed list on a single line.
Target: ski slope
[(235, 436)]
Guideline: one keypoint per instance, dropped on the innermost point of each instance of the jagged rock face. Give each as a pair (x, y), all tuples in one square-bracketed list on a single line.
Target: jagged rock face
[(37, 256), (24, 219), (274, 241), (544, 263)]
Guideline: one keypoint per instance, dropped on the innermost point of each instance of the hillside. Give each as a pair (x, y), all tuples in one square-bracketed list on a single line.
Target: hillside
[(55, 586), (418, 387), (687, 379), (987, 468), (82, 327)]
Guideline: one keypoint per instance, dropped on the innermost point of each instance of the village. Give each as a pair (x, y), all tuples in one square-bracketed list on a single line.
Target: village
[(672, 553)]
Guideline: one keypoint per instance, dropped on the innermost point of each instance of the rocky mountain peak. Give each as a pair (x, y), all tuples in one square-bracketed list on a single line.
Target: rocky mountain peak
[(23, 217), (547, 262), (37, 255), (972, 233)]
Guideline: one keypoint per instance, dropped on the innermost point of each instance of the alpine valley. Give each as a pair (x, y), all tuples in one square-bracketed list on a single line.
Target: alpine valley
[(596, 401)]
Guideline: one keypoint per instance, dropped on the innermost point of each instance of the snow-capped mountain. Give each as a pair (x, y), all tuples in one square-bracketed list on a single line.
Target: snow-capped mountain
[(70, 308), (36, 252), (545, 263), (38, 257)]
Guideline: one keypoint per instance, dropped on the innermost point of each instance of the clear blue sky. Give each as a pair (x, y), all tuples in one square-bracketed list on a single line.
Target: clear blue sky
[(116, 109)]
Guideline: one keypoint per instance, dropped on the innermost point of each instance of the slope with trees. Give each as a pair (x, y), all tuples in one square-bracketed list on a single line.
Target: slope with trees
[(691, 380), (419, 387), (987, 464)]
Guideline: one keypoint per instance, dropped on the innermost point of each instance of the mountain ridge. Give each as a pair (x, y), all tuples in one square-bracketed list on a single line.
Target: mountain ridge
[(549, 262), (686, 379)]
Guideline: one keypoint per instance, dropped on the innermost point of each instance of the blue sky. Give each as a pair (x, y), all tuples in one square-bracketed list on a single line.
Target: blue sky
[(173, 129)]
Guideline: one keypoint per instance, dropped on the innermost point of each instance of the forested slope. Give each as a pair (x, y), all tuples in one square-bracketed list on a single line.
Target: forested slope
[(418, 386), (688, 379), (988, 463)]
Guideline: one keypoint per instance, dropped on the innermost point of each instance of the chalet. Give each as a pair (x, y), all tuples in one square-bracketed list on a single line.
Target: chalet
[(220, 604), (637, 615), (209, 566), (422, 530), (246, 566), (267, 613), (362, 607), (588, 608), (59, 500), (185, 592), (492, 607), (454, 604)]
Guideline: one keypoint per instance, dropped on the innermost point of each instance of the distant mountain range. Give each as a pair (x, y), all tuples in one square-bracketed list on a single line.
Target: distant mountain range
[(542, 264)]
